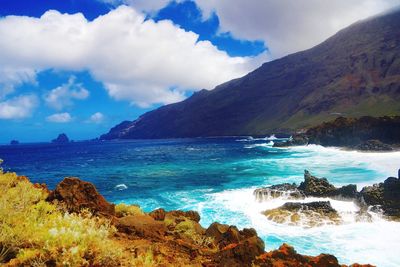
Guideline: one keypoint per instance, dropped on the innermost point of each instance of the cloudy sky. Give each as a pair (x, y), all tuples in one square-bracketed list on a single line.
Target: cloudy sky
[(82, 66)]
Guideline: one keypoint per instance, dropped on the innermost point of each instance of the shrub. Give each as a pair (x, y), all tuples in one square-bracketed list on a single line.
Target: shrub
[(123, 210), (36, 232)]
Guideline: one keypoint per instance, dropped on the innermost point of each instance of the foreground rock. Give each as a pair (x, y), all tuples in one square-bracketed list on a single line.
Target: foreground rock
[(288, 257), (175, 238), (309, 214), (74, 195)]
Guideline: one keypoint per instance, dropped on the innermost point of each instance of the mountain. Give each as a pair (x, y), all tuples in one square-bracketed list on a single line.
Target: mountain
[(354, 73)]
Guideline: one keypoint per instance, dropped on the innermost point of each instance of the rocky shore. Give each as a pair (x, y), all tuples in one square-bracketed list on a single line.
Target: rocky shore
[(383, 198), (171, 238), (365, 134)]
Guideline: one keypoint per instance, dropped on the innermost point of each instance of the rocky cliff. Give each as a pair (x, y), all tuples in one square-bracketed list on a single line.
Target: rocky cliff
[(354, 73), (365, 133)]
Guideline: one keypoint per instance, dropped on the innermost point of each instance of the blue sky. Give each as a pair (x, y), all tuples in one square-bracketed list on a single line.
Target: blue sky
[(83, 66), (37, 127)]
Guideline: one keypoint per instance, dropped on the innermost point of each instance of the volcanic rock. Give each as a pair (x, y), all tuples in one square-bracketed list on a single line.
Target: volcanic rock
[(61, 139), (74, 195), (317, 187), (374, 145), (309, 214), (141, 225), (386, 195), (287, 256)]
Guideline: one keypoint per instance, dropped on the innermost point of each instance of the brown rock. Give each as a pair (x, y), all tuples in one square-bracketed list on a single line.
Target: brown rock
[(191, 215), (74, 195), (242, 253), (141, 225), (287, 256), (158, 214)]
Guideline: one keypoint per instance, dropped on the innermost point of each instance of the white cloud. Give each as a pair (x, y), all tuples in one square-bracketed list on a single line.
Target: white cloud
[(11, 77), (59, 117), (288, 26), (137, 60), (97, 117), (148, 6), (64, 95), (18, 107)]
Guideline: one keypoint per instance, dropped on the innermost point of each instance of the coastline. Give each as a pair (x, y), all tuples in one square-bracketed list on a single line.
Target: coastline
[(218, 245), (229, 203)]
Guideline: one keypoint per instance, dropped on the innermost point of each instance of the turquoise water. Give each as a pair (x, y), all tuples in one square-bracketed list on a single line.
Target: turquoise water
[(217, 177)]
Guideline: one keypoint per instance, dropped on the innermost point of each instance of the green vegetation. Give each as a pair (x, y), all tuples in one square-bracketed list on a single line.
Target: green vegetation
[(34, 232), (122, 210)]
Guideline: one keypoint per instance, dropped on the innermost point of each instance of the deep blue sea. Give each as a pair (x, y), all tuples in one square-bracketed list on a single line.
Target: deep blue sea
[(217, 177)]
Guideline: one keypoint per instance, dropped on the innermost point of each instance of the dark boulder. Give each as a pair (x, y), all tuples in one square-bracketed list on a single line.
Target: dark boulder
[(14, 142), (366, 133), (374, 145), (320, 187), (74, 195), (386, 195), (316, 187), (346, 191)]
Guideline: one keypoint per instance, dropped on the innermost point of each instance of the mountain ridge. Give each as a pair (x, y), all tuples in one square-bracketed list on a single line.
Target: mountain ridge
[(355, 72)]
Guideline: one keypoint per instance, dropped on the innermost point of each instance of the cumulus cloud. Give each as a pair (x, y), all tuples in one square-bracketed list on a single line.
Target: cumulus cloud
[(18, 107), (97, 117), (147, 6), (288, 26), (64, 95), (11, 77), (137, 60), (59, 117)]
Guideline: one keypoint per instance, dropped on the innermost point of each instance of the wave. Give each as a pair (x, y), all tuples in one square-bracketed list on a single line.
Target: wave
[(121, 187), (269, 144), (239, 207), (267, 138), (385, 163)]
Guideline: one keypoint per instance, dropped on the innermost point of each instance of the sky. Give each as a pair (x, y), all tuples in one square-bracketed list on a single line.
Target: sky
[(82, 66)]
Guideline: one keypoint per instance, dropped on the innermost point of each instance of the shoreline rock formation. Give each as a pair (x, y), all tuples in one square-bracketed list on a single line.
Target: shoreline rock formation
[(365, 134), (384, 197), (174, 238)]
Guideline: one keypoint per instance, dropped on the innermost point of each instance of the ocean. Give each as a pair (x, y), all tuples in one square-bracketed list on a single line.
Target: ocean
[(217, 177)]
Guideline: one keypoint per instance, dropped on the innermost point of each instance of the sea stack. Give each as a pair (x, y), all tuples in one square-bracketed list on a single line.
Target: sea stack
[(14, 142), (61, 139)]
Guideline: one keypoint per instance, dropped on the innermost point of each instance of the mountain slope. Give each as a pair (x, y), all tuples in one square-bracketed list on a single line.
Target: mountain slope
[(355, 72)]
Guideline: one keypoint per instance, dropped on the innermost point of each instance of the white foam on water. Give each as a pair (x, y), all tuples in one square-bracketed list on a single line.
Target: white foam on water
[(269, 144), (121, 187), (267, 138), (376, 242), (386, 163)]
